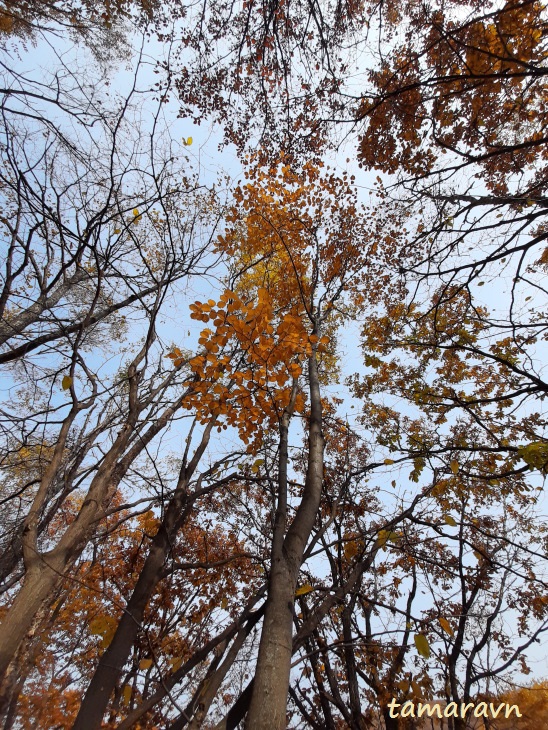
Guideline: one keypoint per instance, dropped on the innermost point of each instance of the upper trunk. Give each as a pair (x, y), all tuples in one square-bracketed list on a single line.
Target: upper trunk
[(271, 683)]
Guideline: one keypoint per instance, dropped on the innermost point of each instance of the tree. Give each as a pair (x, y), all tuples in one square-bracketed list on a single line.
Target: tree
[(94, 240), (85, 622)]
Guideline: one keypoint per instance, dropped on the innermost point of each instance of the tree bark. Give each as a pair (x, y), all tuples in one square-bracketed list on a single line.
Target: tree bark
[(271, 683), (112, 662)]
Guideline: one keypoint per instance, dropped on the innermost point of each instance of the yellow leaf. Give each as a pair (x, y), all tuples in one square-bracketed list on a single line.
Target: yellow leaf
[(454, 466), (145, 663), (423, 647), (303, 590), (175, 663), (351, 549), (389, 461), (535, 455), (104, 626), (450, 520), (385, 535), (126, 695), (446, 626), (66, 382), (135, 211), (117, 230), (187, 141)]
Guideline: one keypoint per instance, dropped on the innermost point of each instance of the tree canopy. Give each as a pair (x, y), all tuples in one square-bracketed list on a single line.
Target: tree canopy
[(273, 449)]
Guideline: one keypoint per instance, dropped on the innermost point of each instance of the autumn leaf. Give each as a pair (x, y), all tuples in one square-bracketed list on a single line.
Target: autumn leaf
[(404, 686), (66, 382), (104, 626), (446, 626), (175, 663), (258, 463), (304, 589), (535, 455), (423, 647)]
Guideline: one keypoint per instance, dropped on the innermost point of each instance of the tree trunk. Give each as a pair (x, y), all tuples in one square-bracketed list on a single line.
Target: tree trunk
[(390, 723), (269, 699), (271, 684), (113, 659), (38, 586)]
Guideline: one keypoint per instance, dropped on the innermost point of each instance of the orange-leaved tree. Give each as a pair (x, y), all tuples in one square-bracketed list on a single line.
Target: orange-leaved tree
[(298, 243)]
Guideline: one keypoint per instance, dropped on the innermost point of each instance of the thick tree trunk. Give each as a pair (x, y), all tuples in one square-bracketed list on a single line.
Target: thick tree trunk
[(390, 723), (37, 589), (269, 699)]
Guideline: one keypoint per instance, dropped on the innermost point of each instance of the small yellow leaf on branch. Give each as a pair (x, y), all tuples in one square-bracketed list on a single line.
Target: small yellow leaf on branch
[(423, 647)]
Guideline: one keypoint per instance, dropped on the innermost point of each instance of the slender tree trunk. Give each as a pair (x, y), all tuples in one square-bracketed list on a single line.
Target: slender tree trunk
[(271, 684), (113, 659), (357, 721)]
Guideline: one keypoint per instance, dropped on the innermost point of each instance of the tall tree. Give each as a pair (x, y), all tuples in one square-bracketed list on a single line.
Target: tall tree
[(98, 232)]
